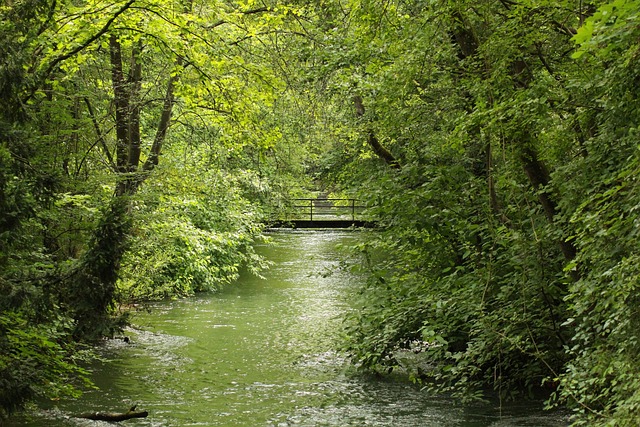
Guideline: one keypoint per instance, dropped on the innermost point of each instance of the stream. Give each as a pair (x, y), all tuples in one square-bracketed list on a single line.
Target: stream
[(263, 353)]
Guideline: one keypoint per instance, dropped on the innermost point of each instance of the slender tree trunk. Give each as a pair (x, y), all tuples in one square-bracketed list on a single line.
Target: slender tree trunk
[(121, 101), (163, 126), (135, 81), (539, 178)]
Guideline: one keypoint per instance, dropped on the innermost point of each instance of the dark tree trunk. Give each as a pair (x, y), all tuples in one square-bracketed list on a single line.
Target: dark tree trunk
[(372, 140), (539, 178), (93, 285), (121, 101), (94, 282)]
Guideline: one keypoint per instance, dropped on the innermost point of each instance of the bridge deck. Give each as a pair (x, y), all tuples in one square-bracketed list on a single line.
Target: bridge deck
[(323, 223), (323, 213)]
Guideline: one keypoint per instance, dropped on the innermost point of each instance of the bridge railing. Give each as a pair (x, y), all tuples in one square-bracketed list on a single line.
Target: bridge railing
[(325, 209)]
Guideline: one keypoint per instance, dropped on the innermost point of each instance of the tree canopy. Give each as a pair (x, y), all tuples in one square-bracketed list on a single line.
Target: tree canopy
[(144, 144)]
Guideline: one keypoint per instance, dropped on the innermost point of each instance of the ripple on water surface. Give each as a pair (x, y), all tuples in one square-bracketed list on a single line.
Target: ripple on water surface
[(263, 353)]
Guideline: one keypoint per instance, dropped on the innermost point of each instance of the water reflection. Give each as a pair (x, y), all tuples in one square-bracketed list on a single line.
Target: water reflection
[(262, 353)]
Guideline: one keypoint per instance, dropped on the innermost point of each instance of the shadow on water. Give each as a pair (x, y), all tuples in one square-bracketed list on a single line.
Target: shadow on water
[(262, 353)]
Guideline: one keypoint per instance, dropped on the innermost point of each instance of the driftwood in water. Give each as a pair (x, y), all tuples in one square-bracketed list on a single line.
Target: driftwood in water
[(113, 416)]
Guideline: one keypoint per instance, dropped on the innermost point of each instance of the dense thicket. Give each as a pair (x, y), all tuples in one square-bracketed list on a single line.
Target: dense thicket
[(142, 142), (497, 143), (132, 166)]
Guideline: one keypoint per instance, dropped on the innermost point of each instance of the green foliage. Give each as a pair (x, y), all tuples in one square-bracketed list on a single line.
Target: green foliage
[(37, 356), (508, 260), (602, 377), (36, 360), (193, 236), (67, 214), (600, 381), (606, 31), (493, 125), (476, 300), (489, 276)]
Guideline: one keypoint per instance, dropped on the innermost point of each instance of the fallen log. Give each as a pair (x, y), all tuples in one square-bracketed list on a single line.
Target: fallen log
[(113, 416)]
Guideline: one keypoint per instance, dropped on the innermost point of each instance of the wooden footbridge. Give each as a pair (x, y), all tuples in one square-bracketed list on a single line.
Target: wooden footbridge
[(323, 213)]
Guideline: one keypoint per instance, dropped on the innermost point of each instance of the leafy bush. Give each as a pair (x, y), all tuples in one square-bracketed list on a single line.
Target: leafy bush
[(600, 381), (480, 302), (189, 242), (36, 360), (499, 282)]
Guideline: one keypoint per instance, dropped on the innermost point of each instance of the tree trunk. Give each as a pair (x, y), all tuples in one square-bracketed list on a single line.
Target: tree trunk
[(135, 82), (94, 282), (121, 101), (372, 140), (539, 178)]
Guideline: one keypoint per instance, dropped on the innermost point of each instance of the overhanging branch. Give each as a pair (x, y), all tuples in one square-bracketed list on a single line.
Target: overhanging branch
[(372, 140), (56, 61)]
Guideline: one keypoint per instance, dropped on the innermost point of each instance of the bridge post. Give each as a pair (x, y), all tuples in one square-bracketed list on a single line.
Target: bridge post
[(335, 210)]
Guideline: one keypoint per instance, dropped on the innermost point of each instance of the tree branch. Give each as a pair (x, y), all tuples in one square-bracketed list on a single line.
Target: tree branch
[(163, 125), (246, 12), (77, 49), (113, 416), (373, 141), (101, 140)]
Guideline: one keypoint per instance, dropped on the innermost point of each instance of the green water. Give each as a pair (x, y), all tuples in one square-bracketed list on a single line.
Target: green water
[(262, 353)]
